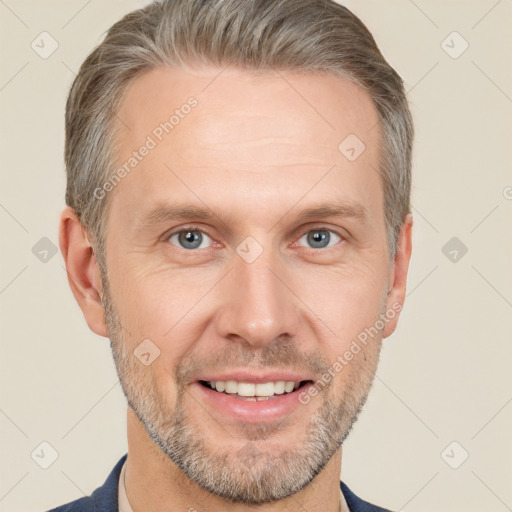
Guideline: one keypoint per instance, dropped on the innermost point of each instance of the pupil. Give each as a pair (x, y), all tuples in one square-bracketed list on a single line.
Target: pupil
[(189, 238), (319, 238)]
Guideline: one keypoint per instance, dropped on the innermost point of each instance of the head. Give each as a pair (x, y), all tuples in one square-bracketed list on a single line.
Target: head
[(262, 115)]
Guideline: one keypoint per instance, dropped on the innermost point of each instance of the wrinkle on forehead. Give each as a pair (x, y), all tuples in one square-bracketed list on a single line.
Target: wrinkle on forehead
[(236, 108)]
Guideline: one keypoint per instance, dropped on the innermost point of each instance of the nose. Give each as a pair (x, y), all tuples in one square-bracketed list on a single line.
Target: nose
[(257, 306)]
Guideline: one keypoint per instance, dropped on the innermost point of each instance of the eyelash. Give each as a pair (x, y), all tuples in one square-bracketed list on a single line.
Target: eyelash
[(195, 229)]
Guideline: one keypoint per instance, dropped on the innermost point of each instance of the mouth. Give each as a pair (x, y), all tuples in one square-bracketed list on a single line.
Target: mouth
[(252, 392), (251, 409)]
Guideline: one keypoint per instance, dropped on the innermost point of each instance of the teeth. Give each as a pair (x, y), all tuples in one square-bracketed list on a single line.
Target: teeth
[(249, 389)]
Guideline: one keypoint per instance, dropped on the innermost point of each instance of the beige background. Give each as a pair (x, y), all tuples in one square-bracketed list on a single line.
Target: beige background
[(444, 375)]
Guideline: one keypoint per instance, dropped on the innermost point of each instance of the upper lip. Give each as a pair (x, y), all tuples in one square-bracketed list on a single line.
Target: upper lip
[(256, 378)]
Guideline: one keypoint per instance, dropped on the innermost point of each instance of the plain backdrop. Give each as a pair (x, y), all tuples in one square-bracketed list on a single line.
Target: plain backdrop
[(435, 433)]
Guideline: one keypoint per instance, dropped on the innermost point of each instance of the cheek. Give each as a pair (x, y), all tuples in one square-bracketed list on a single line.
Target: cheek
[(148, 297), (356, 368), (347, 300), (163, 307)]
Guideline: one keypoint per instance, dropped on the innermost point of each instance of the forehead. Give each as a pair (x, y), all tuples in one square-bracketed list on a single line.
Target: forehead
[(235, 104), (270, 135)]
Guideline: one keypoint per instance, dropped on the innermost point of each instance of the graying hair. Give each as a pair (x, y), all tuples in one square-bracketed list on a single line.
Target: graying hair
[(258, 35)]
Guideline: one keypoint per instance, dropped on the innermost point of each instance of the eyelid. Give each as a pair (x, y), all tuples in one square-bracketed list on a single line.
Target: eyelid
[(186, 227)]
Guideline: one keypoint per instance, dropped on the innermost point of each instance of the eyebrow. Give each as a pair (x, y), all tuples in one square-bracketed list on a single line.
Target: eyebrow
[(348, 209), (166, 213)]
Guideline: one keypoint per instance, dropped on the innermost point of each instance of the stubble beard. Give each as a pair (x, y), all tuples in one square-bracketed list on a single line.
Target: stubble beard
[(252, 472)]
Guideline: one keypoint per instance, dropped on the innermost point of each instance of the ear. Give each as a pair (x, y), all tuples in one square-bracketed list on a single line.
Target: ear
[(82, 270), (398, 276)]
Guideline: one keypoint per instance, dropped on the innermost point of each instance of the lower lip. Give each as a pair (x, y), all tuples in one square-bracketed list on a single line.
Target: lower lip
[(253, 411)]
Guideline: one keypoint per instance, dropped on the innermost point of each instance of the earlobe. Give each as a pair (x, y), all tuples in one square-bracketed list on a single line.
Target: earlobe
[(398, 277), (82, 270)]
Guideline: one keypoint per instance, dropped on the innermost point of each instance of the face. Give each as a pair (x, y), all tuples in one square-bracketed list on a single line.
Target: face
[(254, 284)]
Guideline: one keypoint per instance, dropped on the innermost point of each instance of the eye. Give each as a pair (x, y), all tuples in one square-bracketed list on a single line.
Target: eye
[(320, 238), (190, 239)]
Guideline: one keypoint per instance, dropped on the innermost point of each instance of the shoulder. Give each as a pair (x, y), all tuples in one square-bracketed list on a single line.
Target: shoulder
[(103, 499), (356, 504)]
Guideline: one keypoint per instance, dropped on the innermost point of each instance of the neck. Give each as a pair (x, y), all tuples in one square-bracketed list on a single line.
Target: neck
[(155, 484)]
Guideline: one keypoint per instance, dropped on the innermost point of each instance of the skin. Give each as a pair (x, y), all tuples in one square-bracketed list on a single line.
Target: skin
[(255, 153)]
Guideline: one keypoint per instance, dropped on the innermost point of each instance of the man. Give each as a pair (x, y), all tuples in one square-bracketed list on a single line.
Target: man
[(238, 224)]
